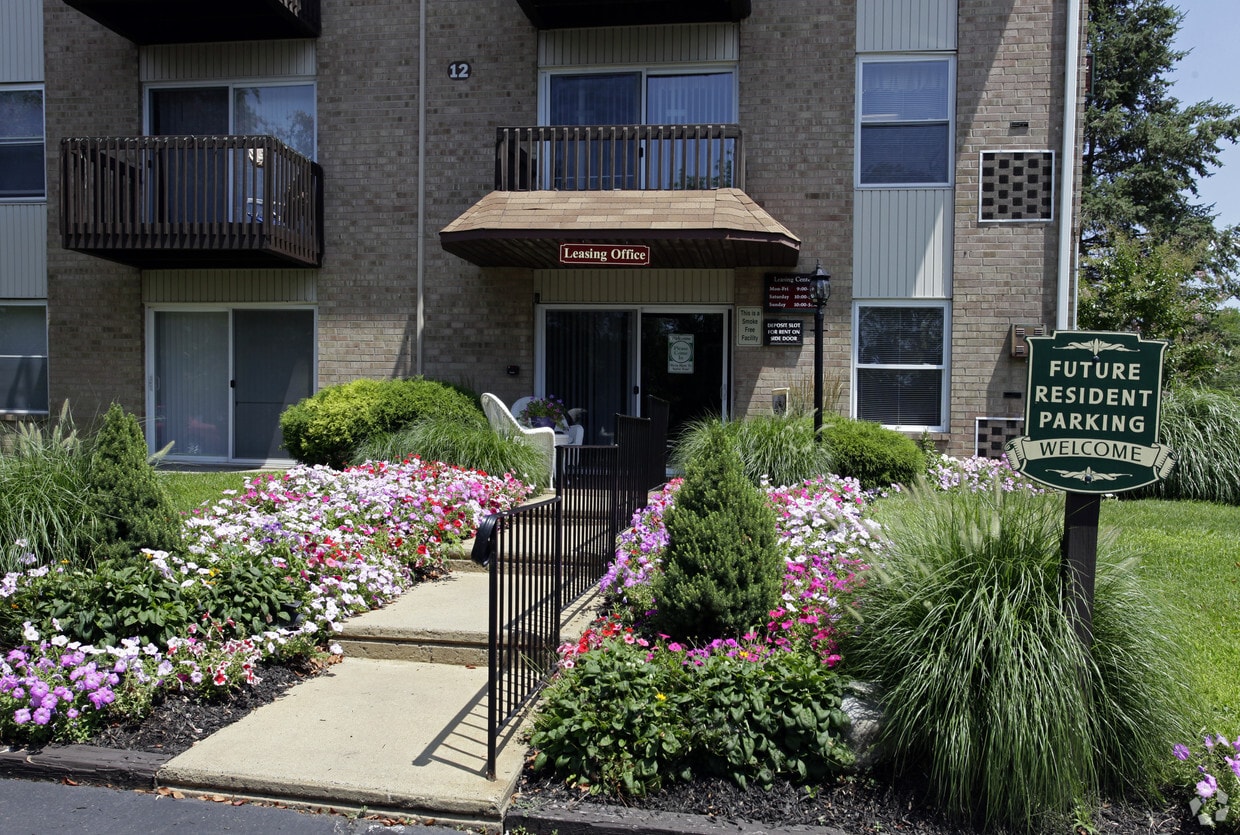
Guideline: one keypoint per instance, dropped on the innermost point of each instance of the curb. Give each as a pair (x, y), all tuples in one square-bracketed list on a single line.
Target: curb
[(106, 766), (599, 819)]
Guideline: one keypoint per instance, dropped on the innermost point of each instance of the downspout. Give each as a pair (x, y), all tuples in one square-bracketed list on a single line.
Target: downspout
[(421, 223), (1065, 308)]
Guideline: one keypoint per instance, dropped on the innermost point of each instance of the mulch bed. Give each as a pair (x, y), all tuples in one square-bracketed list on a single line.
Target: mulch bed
[(856, 804)]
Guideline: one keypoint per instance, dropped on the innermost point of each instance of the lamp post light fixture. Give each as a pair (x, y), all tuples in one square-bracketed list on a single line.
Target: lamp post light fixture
[(820, 291)]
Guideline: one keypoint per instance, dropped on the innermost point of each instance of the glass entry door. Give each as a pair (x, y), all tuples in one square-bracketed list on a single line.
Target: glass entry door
[(600, 362), (683, 363), (221, 378)]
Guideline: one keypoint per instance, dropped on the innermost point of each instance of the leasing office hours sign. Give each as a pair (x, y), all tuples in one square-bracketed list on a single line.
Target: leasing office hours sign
[(1091, 413)]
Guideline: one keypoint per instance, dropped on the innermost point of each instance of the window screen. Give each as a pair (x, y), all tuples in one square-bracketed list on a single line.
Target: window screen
[(21, 144), (905, 132), (23, 358), (900, 365)]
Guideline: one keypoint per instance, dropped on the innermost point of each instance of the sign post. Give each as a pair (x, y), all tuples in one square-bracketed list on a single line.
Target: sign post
[(1091, 427)]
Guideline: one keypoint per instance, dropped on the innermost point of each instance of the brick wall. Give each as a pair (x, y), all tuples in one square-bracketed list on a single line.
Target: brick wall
[(1005, 273), (94, 307)]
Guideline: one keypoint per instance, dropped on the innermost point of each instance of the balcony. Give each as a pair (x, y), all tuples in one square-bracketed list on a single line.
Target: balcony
[(564, 14), (676, 189), (168, 202), (200, 21)]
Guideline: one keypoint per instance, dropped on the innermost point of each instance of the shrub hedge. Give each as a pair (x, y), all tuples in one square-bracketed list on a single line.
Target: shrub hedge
[(328, 426)]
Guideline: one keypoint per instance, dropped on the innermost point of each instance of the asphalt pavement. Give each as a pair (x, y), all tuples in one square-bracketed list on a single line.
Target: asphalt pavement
[(29, 807)]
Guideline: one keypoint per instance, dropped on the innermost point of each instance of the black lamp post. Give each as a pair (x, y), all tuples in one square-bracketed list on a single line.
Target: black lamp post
[(820, 291)]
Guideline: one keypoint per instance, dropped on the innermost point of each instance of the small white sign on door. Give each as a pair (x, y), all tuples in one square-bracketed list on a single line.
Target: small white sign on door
[(680, 353)]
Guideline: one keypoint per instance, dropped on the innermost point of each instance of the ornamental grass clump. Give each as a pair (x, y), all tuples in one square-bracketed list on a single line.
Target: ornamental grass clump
[(986, 683), (776, 449), (723, 568), (1203, 430), (43, 490)]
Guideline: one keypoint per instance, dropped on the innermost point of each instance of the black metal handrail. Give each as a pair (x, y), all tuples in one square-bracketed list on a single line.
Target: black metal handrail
[(607, 157), (522, 551), (543, 556)]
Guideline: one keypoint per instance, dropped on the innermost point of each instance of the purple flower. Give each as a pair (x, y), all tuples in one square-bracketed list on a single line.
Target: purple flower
[(42, 716), (1180, 751), (1207, 786), (21, 716), (1234, 762)]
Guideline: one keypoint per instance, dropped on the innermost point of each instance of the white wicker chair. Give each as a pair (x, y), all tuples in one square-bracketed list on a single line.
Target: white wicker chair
[(503, 422)]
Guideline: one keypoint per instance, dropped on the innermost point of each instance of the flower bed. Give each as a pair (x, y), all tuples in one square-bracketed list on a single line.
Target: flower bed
[(338, 542)]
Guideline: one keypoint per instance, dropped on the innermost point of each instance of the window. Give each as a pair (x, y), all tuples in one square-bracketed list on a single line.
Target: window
[(904, 133), (901, 365), (285, 111), (23, 357), (705, 96), (21, 143)]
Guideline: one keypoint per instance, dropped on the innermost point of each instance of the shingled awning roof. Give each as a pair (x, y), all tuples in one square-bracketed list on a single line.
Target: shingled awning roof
[(716, 228)]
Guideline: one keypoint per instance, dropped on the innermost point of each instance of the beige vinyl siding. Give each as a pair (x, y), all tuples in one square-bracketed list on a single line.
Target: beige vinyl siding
[(21, 41), (902, 244), (638, 45), (23, 251), (906, 25), (634, 286), (229, 286), (226, 61)]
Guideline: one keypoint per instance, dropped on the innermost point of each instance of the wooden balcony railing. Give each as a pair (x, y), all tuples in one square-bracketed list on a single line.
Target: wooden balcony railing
[(191, 201), (608, 157)]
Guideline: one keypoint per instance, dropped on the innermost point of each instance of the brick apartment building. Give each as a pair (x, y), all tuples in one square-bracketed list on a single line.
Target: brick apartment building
[(209, 210)]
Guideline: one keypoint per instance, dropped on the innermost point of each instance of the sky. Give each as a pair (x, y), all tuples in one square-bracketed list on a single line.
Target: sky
[(1209, 33)]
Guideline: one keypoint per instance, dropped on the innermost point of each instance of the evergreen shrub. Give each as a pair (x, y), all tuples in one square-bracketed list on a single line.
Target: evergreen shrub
[(124, 495), (328, 426), (722, 569), (874, 455)]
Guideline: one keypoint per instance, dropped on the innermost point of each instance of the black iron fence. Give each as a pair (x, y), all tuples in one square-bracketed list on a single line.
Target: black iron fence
[(543, 556), (521, 549)]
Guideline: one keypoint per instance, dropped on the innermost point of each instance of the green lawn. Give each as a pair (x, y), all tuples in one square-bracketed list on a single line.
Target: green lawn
[(1190, 554), (190, 489)]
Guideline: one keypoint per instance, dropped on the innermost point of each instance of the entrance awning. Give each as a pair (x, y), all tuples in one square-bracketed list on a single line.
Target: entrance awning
[(719, 228)]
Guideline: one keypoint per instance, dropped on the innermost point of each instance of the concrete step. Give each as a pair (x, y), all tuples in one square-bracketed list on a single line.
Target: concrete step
[(441, 622)]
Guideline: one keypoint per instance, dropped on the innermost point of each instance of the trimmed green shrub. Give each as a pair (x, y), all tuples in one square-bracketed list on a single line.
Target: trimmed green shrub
[(125, 495), (328, 426), (780, 448), (722, 568), (875, 456), (462, 444), (1202, 428), (985, 682)]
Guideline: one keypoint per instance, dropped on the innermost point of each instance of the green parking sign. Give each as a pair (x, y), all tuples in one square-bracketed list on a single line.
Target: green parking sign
[(1092, 412)]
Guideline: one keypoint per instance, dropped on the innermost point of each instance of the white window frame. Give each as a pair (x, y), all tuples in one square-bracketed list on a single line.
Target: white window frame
[(944, 368), (41, 304), (18, 88), (949, 120)]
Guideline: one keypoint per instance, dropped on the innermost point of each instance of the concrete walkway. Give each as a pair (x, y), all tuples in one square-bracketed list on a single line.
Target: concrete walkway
[(398, 726)]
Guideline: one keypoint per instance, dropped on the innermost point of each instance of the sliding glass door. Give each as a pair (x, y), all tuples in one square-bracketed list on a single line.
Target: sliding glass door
[(601, 361), (221, 378)]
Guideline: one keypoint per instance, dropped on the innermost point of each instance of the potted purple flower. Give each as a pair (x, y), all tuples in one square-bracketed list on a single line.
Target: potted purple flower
[(544, 411)]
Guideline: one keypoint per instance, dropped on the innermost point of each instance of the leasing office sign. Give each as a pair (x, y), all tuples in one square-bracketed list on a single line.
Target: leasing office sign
[(1092, 412)]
